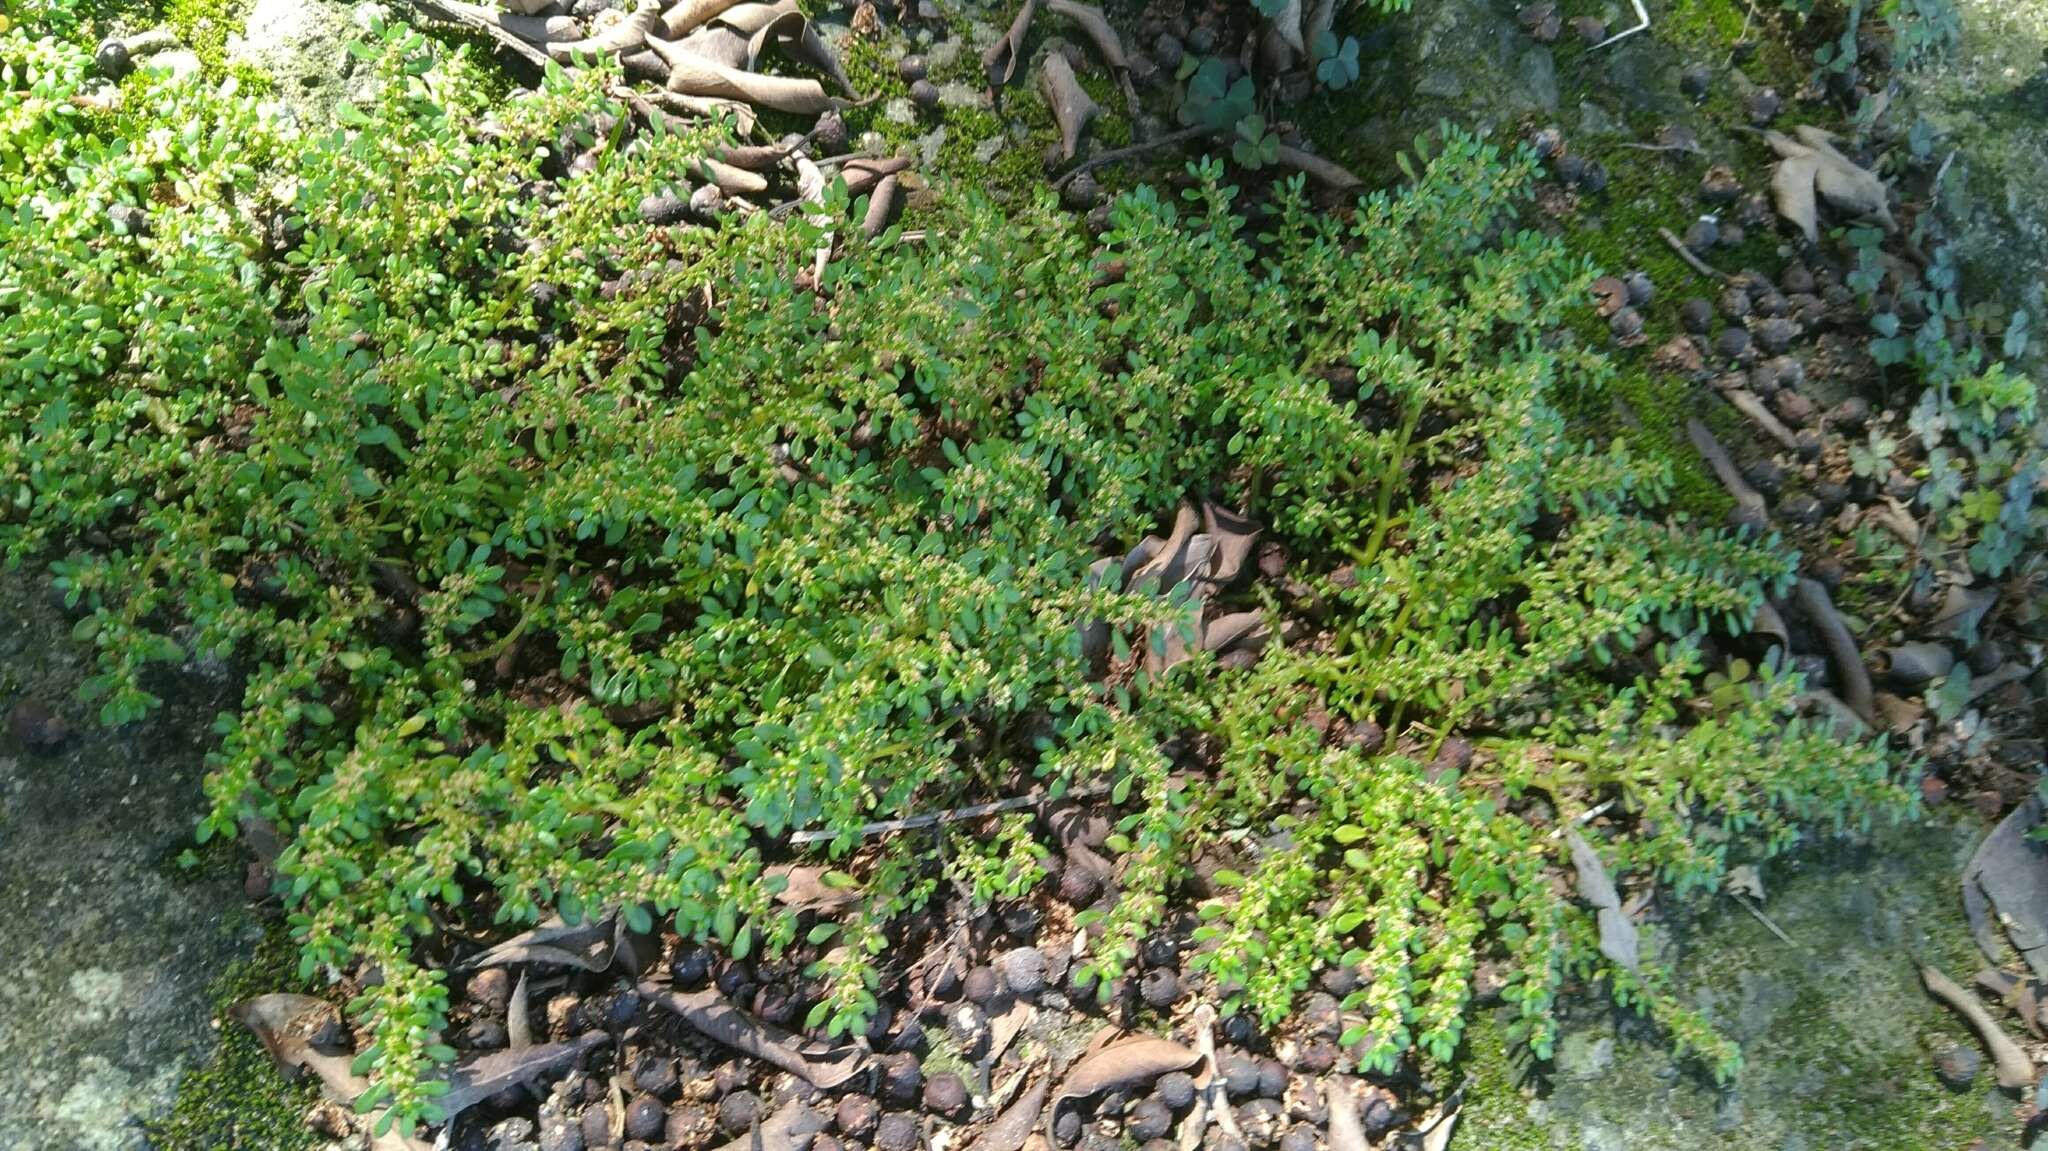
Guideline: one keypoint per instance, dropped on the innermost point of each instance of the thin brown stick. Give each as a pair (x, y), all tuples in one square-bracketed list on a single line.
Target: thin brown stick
[(935, 818), (2013, 1067), (1119, 155), (1692, 261)]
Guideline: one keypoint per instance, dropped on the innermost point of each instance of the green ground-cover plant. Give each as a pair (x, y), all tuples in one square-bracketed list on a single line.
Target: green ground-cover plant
[(573, 563)]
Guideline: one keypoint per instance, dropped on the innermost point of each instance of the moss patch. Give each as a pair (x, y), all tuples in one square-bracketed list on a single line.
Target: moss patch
[(1838, 1038), (239, 1099)]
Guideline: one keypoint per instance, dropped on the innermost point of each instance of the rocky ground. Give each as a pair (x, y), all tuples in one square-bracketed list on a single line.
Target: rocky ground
[(112, 946)]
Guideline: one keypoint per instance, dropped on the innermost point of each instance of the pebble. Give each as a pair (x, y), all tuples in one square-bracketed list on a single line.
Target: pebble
[(898, 1132), (1696, 80), (1150, 1119), (1802, 509), (1793, 408), (1167, 51), (1159, 988), (1766, 477), (1023, 970), (1957, 1064), (856, 1115), (490, 990), (112, 59), (35, 726), (645, 1117), (1697, 316), (1640, 290), (1176, 1089), (1066, 1127), (946, 1094), (1541, 21), (1764, 106)]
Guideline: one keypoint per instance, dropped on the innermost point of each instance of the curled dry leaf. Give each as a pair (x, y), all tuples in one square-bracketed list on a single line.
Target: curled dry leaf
[(1618, 939), (807, 890), (531, 28), (1746, 497), (731, 180), (1018, 1120), (474, 1080), (1841, 645), (1140, 1059), (999, 61), (818, 1064), (588, 945), (2010, 1064), (693, 75), (1072, 109), (1610, 295), (2008, 878), (690, 15), (295, 1030), (1235, 535), (518, 1021), (1962, 609), (885, 203), (1810, 164), (439, 10), (626, 36), (863, 175), (792, 32)]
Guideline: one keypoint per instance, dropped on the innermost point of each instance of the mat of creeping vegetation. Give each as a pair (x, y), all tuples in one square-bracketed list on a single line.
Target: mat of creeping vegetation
[(676, 638)]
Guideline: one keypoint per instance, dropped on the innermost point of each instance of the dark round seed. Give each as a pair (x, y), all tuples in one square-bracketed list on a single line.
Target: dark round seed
[(1159, 988), (1167, 51), (1316, 1056), (1719, 186), (1272, 1078), (1568, 169), (737, 1112), (1176, 1089), (1764, 106), (902, 1079), (1590, 30), (1150, 1119), (925, 94), (898, 1132), (657, 1077), (490, 990), (982, 985), (688, 1125), (1702, 236), (1626, 324), (1775, 335), (1731, 344), (1850, 415), (1697, 315), (1240, 1075), (912, 68), (1594, 178), (1546, 142), (945, 1094), (1240, 1029), (597, 1127), (1300, 1137), (645, 1118), (1696, 80), (856, 1115), (1023, 970)]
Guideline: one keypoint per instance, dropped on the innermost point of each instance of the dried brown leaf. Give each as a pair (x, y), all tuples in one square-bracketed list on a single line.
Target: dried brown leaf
[(820, 1065), (1072, 109)]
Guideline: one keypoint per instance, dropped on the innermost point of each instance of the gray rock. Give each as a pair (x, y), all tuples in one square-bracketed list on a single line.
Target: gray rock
[(303, 46)]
